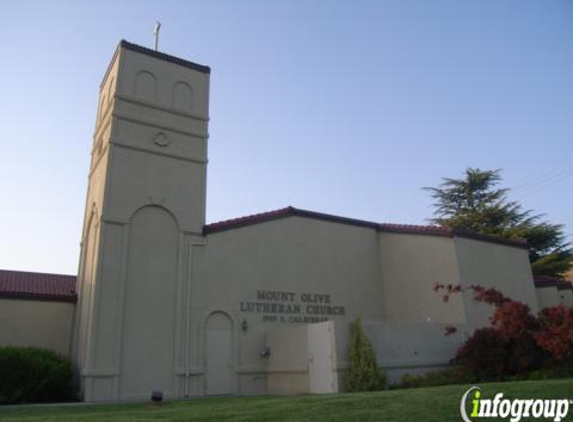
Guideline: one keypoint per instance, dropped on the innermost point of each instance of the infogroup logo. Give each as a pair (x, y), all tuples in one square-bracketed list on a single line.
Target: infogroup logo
[(514, 409)]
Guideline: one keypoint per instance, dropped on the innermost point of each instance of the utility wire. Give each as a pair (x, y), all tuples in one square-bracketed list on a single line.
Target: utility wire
[(547, 185), (546, 180), (543, 176)]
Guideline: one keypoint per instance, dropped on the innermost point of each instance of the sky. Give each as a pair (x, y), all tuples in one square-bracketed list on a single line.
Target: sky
[(342, 107)]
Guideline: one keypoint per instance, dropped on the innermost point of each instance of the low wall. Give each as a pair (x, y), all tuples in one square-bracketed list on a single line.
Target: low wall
[(566, 296), (547, 296), (412, 348)]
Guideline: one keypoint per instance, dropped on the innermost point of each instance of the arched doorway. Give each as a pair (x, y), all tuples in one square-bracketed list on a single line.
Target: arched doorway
[(218, 350)]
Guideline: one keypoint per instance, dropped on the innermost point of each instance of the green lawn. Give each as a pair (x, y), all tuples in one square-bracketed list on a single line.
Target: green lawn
[(437, 404)]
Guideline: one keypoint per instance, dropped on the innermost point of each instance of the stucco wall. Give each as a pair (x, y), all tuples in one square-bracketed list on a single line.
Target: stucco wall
[(410, 267), (277, 274), (566, 296), (412, 348), (493, 265), (382, 277), (547, 296), (294, 255), (36, 323)]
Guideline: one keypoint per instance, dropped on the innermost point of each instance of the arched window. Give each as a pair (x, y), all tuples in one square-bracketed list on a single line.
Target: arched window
[(182, 96), (145, 87)]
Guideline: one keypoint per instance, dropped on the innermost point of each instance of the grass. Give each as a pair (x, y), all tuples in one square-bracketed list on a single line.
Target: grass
[(439, 404)]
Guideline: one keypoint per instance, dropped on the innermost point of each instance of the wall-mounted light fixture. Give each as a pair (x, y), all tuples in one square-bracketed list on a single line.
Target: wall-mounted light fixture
[(244, 325)]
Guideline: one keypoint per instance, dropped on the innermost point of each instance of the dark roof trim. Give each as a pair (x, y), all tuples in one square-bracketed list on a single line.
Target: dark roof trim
[(332, 218), (166, 57), (158, 55), (544, 281), (44, 297), (387, 228)]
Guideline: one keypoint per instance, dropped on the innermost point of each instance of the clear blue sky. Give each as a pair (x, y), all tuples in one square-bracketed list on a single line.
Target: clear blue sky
[(344, 107)]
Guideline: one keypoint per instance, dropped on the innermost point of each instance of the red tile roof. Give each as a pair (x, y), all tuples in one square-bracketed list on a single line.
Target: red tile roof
[(388, 228), (42, 286), (247, 220), (544, 281)]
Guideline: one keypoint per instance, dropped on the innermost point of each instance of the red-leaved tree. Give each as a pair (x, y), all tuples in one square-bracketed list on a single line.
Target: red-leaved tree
[(555, 333), (517, 341)]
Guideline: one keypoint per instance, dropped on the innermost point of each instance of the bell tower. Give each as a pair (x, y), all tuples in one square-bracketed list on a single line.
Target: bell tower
[(145, 206)]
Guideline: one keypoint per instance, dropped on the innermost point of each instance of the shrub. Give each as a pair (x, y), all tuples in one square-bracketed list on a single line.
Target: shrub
[(513, 320), (31, 374), (517, 343), (556, 333), (484, 354), (448, 376), (363, 373), (546, 373)]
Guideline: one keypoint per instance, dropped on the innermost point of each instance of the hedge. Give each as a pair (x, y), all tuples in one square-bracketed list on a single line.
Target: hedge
[(34, 375)]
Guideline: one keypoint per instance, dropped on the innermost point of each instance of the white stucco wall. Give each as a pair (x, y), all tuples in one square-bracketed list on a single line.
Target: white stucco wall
[(413, 347), (488, 264), (566, 297), (36, 323), (547, 297), (295, 255), (411, 265)]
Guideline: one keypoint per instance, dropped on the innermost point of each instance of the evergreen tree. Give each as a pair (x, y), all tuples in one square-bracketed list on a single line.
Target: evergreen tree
[(476, 204), (363, 373)]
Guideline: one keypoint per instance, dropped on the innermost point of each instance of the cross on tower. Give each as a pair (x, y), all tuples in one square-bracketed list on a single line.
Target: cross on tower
[(156, 33)]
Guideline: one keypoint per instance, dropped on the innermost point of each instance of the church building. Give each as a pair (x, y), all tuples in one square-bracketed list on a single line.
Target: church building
[(258, 304)]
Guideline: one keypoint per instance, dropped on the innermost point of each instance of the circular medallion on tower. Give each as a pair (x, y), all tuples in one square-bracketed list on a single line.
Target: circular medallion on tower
[(161, 139)]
